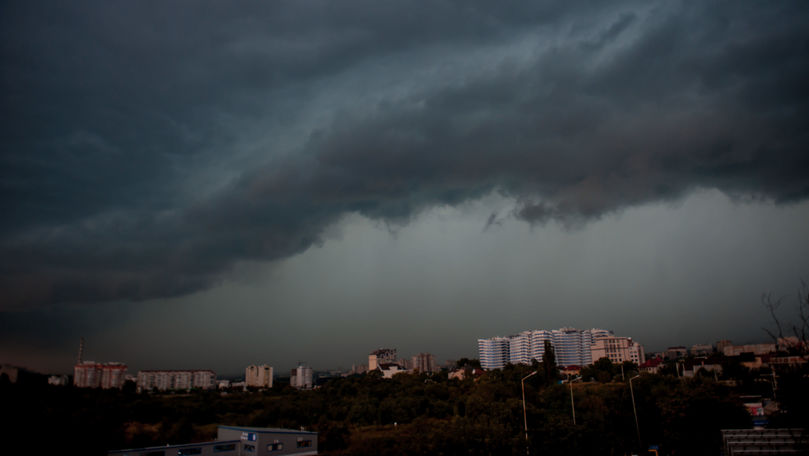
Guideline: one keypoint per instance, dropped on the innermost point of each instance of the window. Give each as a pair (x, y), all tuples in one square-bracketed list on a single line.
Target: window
[(226, 447), (249, 448), (304, 443), (276, 445), (189, 451)]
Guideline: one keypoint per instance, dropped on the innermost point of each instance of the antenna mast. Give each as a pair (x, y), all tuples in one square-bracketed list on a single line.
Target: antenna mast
[(81, 350)]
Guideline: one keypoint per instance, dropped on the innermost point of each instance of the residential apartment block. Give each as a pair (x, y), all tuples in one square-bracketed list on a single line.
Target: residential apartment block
[(572, 347), (493, 352), (424, 362), (89, 374), (301, 377), (164, 380), (617, 350), (258, 376)]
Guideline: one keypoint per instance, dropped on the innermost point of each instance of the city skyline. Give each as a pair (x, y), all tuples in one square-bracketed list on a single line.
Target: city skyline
[(233, 184)]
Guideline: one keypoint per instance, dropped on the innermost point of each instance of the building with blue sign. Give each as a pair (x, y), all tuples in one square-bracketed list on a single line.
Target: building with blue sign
[(238, 441)]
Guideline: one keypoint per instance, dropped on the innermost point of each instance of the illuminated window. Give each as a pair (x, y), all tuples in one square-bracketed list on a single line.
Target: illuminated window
[(304, 443), (276, 445), (249, 448)]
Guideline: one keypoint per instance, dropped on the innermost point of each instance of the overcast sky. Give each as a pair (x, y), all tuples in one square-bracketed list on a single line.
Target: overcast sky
[(211, 184)]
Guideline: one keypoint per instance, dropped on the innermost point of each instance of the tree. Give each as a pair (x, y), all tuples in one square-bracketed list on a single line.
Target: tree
[(549, 363), (800, 330), (466, 362)]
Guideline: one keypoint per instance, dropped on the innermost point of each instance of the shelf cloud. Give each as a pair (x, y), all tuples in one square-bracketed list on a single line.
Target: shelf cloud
[(148, 147)]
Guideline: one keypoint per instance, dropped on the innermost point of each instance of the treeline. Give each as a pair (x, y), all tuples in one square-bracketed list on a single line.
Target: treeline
[(413, 414)]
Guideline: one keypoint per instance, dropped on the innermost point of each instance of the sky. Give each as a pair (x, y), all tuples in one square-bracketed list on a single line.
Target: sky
[(212, 184)]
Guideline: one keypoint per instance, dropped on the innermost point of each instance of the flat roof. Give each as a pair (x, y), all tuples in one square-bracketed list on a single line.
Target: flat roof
[(183, 445), (266, 430)]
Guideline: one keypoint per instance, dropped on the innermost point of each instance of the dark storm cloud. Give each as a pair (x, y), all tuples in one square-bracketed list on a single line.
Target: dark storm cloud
[(110, 109)]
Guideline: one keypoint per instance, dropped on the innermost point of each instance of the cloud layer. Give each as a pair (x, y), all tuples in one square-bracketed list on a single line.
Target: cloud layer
[(149, 147)]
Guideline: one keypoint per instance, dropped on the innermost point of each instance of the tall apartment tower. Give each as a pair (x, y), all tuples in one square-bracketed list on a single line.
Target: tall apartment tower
[(301, 377), (258, 376), (571, 347), (494, 352), (89, 374), (424, 362)]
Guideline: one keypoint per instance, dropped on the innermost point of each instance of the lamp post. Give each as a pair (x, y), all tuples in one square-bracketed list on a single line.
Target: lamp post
[(634, 409), (524, 414), (572, 407)]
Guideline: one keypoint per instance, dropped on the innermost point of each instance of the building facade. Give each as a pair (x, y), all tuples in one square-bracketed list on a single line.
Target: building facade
[(89, 374), (493, 352), (383, 355), (238, 441), (301, 377), (166, 380), (701, 349), (424, 362), (571, 346), (617, 350), (756, 349), (258, 376)]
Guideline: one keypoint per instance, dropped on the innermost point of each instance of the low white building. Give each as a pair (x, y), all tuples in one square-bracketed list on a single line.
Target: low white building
[(390, 369)]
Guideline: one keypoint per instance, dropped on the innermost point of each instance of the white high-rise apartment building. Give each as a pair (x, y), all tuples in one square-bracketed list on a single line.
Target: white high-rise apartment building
[(519, 347), (258, 376), (494, 352), (571, 347), (301, 377)]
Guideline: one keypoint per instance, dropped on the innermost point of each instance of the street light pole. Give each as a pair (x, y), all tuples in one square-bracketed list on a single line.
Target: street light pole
[(634, 409), (572, 406), (524, 414)]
